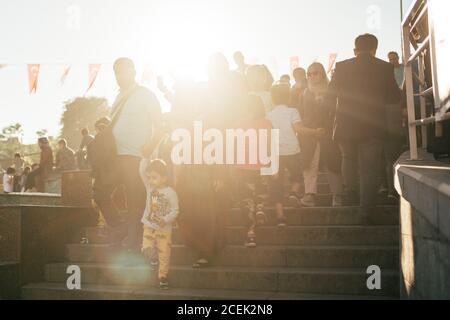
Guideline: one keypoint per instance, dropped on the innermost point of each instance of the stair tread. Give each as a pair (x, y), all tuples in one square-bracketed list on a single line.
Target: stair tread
[(210, 294), (315, 270), (271, 247)]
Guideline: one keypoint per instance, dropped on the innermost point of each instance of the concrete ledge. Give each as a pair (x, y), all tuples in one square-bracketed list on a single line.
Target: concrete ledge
[(30, 198), (424, 187)]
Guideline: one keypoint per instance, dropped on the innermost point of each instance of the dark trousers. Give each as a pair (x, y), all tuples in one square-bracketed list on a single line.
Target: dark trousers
[(292, 164), (249, 188), (364, 155), (391, 152), (128, 177)]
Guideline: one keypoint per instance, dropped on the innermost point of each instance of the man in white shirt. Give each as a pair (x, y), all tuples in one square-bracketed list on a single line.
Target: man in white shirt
[(136, 132)]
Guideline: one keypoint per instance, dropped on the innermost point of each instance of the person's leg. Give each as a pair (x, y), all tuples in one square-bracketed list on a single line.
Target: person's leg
[(383, 178), (39, 179), (276, 185), (311, 174), (247, 204), (102, 196), (277, 191), (349, 168), (369, 152), (148, 243), (164, 245), (16, 185), (30, 183), (391, 154), (260, 214), (136, 196), (293, 165), (337, 187)]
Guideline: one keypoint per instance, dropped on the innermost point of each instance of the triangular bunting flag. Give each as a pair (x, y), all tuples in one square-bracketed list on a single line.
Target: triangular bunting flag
[(93, 72), (33, 74), (65, 73), (331, 62)]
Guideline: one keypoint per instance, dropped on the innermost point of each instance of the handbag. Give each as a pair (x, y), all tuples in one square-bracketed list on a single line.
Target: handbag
[(103, 149)]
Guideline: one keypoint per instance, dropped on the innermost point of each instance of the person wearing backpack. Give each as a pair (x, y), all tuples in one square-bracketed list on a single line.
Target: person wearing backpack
[(117, 151)]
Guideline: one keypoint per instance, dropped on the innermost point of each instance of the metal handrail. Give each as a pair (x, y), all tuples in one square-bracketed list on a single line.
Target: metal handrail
[(420, 17), (418, 11), (420, 49)]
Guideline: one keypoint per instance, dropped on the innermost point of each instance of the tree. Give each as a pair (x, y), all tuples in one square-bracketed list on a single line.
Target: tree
[(10, 141), (81, 113), (42, 133), (14, 131)]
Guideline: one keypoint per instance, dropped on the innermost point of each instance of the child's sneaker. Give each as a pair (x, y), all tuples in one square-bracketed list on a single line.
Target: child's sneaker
[(163, 284), (261, 217), (282, 222), (251, 239), (294, 200)]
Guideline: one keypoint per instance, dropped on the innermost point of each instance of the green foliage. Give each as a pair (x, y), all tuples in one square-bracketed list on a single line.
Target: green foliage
[(10, 143), (11, 132), (42, 133), (81, 113)]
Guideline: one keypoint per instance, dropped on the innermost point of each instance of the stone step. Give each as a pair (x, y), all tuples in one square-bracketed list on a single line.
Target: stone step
[(265, 256), (321, 216), (297, 235), (345, 216), (313, 236), (322, 188), (57, 291), (298, 280)]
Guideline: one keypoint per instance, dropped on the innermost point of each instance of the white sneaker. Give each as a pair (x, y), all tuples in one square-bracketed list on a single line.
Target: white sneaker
[(337, 201), (308, 201)]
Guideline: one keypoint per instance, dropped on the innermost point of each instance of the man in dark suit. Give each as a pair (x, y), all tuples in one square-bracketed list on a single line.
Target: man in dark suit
[(360, 89)]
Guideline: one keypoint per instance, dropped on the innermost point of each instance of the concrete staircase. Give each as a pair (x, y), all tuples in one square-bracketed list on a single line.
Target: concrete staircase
[(323, 254)]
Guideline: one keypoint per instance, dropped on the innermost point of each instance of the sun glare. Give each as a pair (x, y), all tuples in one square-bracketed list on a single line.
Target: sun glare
[(181, 39)]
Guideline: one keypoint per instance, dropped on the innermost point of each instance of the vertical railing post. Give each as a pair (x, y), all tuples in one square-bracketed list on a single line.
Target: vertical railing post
[(410, 93), (423, 102)]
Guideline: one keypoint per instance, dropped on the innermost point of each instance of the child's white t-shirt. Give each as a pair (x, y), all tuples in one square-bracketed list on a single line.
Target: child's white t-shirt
[(283, 118), (8, 183)]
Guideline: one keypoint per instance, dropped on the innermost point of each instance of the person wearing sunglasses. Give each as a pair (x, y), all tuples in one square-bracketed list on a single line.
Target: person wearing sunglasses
[(318, 151)]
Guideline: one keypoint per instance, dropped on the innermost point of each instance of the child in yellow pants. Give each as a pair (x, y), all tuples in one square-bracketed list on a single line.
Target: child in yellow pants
[(161, 211), (161, 241)]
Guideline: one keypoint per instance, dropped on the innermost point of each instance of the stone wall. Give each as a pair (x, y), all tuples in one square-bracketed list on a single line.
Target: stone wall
[(424, 187), (33, 236)]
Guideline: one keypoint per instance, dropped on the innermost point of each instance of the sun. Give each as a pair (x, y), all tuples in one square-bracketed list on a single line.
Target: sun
[(180, 40)]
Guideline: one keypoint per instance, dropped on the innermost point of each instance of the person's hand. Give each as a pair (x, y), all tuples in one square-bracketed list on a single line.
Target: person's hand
[(161, 86), (158, 220)]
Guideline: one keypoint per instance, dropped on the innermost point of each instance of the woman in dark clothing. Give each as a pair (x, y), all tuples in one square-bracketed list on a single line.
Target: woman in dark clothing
[(318, 152), (203, 190)]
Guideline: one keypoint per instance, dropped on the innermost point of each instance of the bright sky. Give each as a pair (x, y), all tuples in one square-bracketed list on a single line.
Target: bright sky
[(167, 34)]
